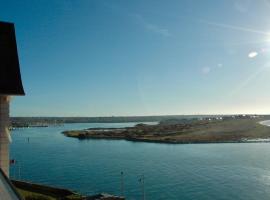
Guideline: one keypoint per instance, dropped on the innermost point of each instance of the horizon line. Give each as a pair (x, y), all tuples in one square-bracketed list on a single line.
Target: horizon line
[(117, 116)]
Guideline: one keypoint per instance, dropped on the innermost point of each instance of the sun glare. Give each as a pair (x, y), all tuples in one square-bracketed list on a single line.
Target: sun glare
[(252, 54)]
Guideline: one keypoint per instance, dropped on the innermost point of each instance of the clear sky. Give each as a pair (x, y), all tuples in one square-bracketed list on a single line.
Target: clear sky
[(143, 57)]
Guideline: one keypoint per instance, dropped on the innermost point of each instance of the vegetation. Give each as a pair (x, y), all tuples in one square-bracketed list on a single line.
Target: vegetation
[(207, 130), (27, 195), (30, 191)]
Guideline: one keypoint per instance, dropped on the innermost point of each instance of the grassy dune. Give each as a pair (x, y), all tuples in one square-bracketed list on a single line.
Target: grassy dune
[(197, 131)]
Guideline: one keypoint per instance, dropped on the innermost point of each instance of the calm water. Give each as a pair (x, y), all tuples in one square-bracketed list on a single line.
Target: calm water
[(193, 171)]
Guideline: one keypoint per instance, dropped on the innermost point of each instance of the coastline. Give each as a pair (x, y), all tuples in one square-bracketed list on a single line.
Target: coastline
[(265, 122), (243, 130), (256, 140), (31, 190)]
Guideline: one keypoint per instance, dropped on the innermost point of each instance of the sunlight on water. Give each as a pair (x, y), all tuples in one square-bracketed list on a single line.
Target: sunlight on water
[(199, 171)]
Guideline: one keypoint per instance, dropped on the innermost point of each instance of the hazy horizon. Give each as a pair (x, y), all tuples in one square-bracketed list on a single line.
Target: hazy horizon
[(136, 58), (77, 116)]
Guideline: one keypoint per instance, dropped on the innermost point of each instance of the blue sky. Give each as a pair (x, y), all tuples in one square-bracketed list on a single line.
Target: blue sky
[(123, 57)]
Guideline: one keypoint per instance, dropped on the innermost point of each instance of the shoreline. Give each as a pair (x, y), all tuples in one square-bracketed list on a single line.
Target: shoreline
[(254, 141), (242, 130), (40, 191), (263, 122)]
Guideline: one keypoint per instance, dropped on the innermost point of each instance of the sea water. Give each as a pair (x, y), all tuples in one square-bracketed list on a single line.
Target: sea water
[(171, 171)]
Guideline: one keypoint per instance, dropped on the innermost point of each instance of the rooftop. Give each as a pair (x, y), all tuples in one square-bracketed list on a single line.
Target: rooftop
[(10, 76)]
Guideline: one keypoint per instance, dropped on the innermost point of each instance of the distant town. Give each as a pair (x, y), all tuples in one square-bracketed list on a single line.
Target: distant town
[(28, 122)]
